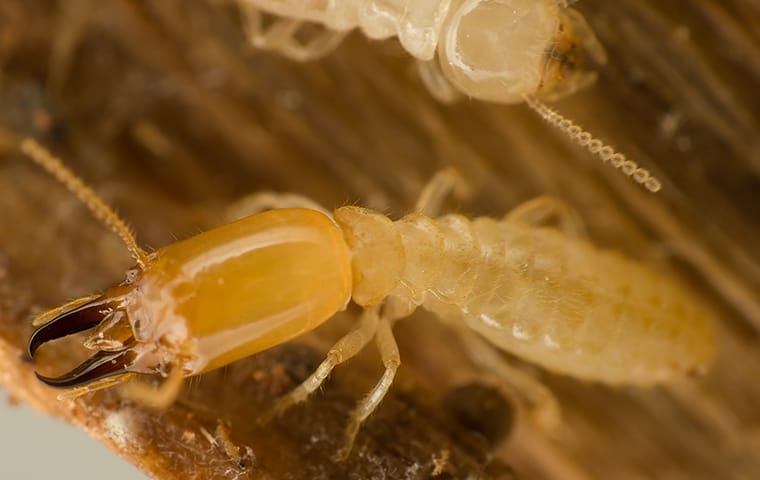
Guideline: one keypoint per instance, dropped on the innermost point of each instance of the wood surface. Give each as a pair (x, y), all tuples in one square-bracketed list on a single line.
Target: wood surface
[(172, 117)]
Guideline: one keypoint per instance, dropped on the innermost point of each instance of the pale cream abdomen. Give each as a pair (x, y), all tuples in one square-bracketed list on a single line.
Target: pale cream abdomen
[(592, 314), (552, 300)]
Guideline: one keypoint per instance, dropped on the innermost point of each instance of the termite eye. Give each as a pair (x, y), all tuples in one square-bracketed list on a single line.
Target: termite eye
[(68, 323)]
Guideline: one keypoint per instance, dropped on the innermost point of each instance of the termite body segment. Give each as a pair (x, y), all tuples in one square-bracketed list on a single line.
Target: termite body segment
[(548, 297), (556, 301), (506, 51), (224, 294), (498, 50)]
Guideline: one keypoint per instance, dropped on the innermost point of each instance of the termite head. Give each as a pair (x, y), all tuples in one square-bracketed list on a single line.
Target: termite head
[(571, 58), (127, 337), (502, 50), (123, 343)]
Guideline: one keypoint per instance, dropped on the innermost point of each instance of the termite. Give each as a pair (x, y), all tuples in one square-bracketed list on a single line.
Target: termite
[(544, 294), (505, 51)]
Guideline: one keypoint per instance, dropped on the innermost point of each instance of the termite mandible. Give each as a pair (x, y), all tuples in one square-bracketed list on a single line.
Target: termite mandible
[(545, 295), (505, 51)]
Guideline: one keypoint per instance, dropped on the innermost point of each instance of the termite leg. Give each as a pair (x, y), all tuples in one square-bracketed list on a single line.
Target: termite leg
[(386, 344), (261, 201), (542, 404), (319, 45), (540, 210), (345, 348), (49, 315), (435, 191), (261, 37), (280, 36), (394, 309), (100, 384), (436, 83), (160, 397)]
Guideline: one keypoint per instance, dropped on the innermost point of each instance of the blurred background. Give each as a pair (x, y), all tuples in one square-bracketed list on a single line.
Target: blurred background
[(27, 433), (168, 112)]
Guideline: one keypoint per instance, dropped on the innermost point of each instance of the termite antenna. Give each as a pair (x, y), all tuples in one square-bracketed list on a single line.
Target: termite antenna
[(55, 167), (594, 145)]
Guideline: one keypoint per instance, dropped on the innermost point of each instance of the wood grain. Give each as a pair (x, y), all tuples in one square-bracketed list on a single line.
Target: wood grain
[(164, 109)]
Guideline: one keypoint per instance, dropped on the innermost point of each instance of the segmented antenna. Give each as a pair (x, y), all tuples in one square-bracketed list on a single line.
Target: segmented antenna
[(594, 145), (55, 167)]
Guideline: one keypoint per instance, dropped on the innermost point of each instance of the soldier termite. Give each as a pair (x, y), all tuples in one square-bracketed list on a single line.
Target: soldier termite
[(545, 295), (505, 51)]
